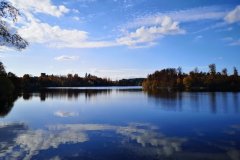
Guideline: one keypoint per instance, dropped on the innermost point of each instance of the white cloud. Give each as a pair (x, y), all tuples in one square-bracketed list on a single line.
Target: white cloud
[(65, 114), (213, 13), (227, 39), (55, 36), (233, 16), (76, 18), (235, 43), (227, 29), (75, 10), (148, 35), (66, 58), (189, 15), (44, 33), (119, 73), (212, 27), (35, 31), (40, 6), (5, 48), (148, 29), (231, 41), (197, 14), (198, 37)]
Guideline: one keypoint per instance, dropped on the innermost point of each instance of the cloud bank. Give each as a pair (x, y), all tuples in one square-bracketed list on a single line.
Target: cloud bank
[(142, 31)]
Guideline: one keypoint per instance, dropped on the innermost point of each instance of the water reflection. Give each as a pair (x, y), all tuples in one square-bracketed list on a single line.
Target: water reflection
[(6, 104), (172, 125), (27, 95), (69, 94), (65, 114), (236, 101), (213, 102), (166, 99), (24, 143), (176, 101), (141, 141), (225, 101)]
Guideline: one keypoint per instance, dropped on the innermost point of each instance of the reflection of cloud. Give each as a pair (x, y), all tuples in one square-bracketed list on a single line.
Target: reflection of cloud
[(65, 114), (80, 127), (230, 132), (33, 141), (55, 158), (236, 126), (18, 142), (233, 129), (9, 132), (164, 145)]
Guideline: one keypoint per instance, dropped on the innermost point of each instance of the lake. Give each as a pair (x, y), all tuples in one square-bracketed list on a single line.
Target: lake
[(120, 123)]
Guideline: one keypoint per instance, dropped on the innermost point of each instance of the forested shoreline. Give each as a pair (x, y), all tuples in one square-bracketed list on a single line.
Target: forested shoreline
[(9, 82), (175, 79), (170, 79)]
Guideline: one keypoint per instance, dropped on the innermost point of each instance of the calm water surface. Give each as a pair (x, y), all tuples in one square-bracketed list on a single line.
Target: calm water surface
[(120, 124)]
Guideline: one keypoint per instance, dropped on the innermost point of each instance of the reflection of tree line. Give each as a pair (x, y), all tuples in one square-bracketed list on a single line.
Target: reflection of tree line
[(166, 99), (73, 93), (171, 100), (66, 93), (6, 104)]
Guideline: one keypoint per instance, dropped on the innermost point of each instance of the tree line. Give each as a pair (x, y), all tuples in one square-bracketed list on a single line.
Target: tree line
[(10, 82), (175, 79)]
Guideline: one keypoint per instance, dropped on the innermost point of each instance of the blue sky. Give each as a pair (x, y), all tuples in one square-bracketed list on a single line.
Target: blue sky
[(124, 38)]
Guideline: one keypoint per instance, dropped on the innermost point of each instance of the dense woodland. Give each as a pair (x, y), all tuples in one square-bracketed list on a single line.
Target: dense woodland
[(10, 82), (175, 79)]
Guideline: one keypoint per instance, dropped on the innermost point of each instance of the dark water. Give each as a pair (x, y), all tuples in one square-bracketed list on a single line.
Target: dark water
[(120, 124)]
